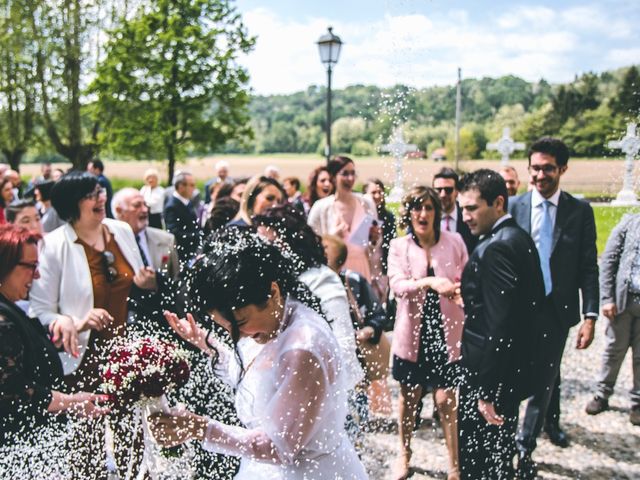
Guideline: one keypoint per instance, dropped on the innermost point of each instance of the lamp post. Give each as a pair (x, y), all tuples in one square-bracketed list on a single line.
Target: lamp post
[(329, 47)]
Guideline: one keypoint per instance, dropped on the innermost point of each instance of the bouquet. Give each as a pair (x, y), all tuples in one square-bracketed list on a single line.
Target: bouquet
[(143, 370), (139, 373)]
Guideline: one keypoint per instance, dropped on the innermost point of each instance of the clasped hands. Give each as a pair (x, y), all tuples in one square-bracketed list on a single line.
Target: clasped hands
[(443, 286)]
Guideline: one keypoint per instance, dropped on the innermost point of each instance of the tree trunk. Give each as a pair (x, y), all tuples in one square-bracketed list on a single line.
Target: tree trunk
[(171, 155), (14, 156)]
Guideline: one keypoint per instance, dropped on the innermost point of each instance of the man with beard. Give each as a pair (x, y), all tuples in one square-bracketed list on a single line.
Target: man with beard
[(564, 231)]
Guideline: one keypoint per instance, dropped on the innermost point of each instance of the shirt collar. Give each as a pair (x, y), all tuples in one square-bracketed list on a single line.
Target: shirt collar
[(181, 198), (537, 199)]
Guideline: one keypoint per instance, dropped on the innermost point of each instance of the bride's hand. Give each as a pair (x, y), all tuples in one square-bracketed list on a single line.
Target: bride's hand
[(172, 430), (188, 330)]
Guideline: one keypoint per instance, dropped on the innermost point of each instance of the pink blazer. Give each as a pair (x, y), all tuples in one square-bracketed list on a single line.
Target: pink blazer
[(408, 263)]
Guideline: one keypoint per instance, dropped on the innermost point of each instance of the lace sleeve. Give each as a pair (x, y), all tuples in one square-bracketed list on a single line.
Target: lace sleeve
[(19, 395), (291, 418)]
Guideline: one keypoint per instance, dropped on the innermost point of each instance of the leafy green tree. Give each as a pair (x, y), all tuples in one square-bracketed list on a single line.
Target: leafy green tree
[(627, 99), (62, 35), (345, 132), (170, 80), (281, 138), (17, 92), (588, 134)]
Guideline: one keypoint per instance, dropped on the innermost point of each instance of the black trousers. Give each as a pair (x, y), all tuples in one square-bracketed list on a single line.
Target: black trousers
[(486, 451), (540, 404)]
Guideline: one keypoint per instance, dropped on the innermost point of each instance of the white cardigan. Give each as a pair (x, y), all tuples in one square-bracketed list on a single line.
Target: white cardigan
[(65, 287), (322, 216)]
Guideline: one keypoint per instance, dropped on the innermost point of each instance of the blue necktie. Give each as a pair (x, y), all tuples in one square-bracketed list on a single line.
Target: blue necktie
[(545, 241)]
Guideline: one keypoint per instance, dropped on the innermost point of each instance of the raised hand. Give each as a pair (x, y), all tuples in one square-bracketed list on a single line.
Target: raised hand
[(65, 334), (175, 429), (188, 330), (146, 279)]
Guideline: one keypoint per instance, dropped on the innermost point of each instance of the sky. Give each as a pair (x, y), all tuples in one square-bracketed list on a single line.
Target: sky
[(423, 42)]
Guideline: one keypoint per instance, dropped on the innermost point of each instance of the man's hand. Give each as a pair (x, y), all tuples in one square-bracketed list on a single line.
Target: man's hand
[(146, 279), (488, 411), (610, 310), (586, 333)]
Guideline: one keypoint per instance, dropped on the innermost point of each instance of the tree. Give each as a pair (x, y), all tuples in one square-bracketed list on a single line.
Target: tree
[(62, 37), (170, 80), (627, 100), (345, 132), (17, 92)]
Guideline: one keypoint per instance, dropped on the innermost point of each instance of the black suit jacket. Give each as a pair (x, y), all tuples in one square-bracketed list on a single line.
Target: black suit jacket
[(503, 294), (573, 257), (462, 228), (182, 222)]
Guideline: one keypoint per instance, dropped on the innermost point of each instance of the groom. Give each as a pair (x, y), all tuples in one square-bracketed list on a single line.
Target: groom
[(503, 290)]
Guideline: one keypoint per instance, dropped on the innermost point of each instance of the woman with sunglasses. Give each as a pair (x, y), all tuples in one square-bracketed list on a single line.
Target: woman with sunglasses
[(348, 215), (31, 385), (425, 267)]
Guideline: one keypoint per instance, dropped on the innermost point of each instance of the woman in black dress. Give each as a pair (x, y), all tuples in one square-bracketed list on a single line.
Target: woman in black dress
[(31, 386)]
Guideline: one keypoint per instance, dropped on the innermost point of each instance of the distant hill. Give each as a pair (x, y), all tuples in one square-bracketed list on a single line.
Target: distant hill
[(586, 113)]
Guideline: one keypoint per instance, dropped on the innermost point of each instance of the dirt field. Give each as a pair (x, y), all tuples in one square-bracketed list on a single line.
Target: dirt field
[(583, 176)]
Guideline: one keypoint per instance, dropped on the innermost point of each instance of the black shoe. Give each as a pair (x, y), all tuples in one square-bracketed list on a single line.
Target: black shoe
[(556, 435), (527, 468), (597, 405)]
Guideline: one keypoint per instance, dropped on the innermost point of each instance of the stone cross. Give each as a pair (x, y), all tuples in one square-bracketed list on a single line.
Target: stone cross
[(398, 148), (506, 146), (630, 145)]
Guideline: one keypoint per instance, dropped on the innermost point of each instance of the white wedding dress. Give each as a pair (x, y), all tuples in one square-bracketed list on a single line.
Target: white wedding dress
[(293, 403)]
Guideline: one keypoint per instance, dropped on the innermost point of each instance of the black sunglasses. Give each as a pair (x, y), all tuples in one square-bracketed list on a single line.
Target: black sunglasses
[(108, 259), (447, 190)]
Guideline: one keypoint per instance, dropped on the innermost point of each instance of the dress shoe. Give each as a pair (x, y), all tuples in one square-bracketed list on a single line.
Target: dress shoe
[(527, 468), (556, 435), (634, 415), (597, 405)]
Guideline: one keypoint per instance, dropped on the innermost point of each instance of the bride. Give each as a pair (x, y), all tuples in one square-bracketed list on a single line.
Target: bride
[(291, 394)]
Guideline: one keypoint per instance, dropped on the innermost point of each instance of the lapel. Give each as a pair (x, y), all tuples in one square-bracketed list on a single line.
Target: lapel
[(523, 214), (154, 248), (416, 258), (561, 219)]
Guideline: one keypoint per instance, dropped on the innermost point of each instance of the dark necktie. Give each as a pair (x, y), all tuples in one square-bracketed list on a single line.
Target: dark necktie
[(145, 260)]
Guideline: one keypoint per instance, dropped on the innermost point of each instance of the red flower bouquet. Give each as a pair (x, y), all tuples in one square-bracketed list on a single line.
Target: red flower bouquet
[(142, 370)]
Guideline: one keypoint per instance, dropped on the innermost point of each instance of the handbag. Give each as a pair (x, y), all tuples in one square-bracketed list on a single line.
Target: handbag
[(373, 356)]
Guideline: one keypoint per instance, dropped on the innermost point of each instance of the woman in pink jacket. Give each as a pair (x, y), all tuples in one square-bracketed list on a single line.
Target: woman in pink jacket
[(425, 268)]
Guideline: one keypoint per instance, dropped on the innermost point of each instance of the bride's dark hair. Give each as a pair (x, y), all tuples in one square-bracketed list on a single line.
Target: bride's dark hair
[(236, 268)]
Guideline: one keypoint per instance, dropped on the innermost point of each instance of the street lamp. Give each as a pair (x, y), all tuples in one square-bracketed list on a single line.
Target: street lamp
[(329, 47)]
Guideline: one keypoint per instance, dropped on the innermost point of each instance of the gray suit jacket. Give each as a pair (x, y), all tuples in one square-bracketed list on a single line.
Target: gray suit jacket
[(574, 262), (162, 247), (617, 259)]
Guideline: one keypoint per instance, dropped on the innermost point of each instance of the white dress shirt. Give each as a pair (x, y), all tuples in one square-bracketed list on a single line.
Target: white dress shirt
[(537, 211)]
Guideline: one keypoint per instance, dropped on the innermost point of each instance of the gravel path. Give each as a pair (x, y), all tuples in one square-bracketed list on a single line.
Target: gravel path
[(605, 446)]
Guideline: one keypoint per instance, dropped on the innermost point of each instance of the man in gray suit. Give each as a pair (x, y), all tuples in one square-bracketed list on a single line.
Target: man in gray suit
[(564, 231), (620, 298), (157, 247)]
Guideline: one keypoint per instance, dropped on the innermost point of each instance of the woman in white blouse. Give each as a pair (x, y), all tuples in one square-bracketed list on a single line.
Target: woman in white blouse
[(153, 195)]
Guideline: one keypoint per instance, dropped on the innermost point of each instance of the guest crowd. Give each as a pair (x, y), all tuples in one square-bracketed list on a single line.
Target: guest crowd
[(467, 296)]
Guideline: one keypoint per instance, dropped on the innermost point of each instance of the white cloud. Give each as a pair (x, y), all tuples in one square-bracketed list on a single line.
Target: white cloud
[(421, 50)]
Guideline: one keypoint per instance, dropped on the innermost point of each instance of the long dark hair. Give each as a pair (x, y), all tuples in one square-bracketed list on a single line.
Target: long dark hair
[(312, 188), (236, 268), (292, 228)]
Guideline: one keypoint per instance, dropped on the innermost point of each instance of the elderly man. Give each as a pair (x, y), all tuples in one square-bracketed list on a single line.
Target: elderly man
[(620, 298), (180, 216), (157, 247), (222, 176)]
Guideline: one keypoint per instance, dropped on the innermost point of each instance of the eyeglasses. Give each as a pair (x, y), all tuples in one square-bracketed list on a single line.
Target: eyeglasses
[(447, 190), (33, 266), (108, 259), (547, 169), (95, 194)]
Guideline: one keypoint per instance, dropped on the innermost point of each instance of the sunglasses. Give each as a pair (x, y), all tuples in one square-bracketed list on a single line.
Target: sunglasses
[(447, 190), (108, 259)]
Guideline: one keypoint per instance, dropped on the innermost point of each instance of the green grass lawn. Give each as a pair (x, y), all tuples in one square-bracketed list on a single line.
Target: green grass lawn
[(606, 219)]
